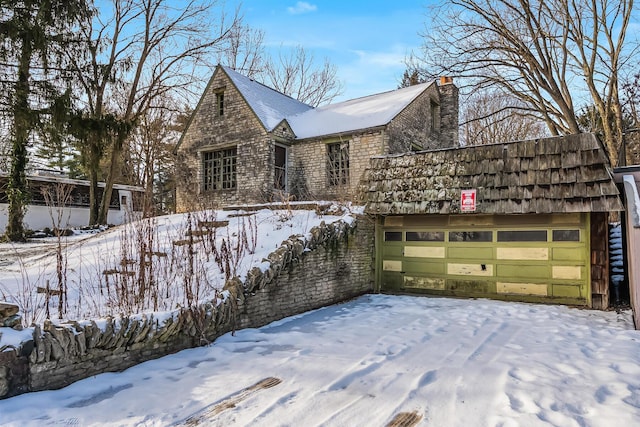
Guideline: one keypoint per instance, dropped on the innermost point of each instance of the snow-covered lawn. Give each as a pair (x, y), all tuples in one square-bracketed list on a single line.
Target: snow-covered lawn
[(106, 275), (447, 362)]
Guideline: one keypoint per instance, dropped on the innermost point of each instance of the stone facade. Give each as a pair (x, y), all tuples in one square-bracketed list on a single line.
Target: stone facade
[(333, 265), (428, 121), (311, 171), (208, 131)]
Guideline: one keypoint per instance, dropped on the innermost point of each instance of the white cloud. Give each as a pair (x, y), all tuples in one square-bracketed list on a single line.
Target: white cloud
[(302, 7)]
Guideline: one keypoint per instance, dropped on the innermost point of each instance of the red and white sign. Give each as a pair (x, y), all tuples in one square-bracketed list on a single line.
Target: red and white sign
[(468, 200)]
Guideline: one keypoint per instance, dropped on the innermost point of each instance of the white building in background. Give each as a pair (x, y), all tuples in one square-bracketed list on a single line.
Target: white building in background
[(67, 203)]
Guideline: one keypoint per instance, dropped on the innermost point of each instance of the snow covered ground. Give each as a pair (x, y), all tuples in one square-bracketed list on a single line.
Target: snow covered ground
[(375, 361), (249, 237)]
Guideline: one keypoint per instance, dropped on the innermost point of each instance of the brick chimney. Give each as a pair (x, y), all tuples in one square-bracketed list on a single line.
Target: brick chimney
[(449, 110)]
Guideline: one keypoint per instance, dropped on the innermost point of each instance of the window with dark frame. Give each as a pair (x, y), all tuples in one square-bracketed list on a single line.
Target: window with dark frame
[(435, 116), (220, 103), (425, 236), (393, 236), (522, 236), (280, 168), (470, 236), (219, 169), (338, 163), (566, 235)]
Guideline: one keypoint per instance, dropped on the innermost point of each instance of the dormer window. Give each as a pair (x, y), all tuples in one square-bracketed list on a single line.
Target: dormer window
[(220, 103)]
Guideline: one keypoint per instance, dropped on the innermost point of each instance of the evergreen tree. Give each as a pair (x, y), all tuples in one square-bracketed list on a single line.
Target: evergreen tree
[(411, 78), (34, 32)]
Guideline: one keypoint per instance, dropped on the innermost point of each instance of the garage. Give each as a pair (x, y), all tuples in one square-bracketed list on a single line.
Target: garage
[(522, 221), (488, 255)]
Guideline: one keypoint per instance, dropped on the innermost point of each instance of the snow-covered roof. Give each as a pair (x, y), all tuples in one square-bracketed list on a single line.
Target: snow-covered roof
[(269, 105), (355, 114), (272, 107)]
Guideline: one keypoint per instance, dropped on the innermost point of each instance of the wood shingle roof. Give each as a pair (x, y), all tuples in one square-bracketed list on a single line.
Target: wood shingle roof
[(550, 175)]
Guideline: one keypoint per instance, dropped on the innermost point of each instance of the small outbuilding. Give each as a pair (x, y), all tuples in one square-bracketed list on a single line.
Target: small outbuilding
[(523, 221)]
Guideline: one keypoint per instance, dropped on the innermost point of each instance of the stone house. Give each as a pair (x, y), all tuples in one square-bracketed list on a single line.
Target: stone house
[(248, 143)]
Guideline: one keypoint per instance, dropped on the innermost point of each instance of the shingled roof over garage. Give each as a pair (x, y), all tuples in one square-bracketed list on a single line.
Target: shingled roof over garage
[(550, 175)]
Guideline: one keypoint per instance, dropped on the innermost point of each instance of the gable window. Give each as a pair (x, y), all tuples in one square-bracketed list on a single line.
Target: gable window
[(338, 163), (280, 168), (435, 116), (220, 103), (219, 169)]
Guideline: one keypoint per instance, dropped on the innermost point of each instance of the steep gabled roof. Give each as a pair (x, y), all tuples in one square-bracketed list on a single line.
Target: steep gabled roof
[(269, 105), (355, 114), (550, 175)]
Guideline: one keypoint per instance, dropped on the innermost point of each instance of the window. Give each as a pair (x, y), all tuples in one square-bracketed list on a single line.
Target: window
[(566, 235), (393, 236), (338, 163), (435, 116), (522, 236), (219, 169), (220, 103), (470, 236), (280, 168), (425, 236)]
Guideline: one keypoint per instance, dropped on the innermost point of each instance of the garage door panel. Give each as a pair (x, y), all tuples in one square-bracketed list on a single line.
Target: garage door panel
[(390, 251), (392, 281), (424, 251), (423, 266), (470, 286), (524, 254), (573, 291), (470, 252), (541, 289), (538, 271), (470, 269), (568, 254), (422, 282)]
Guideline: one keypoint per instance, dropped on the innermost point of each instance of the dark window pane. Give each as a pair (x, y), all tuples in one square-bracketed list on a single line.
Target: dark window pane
[(219, 169), (425, 236), (470, 236), (522, 236), (393, 236), (338, 163), (566, 235), (280, 168)]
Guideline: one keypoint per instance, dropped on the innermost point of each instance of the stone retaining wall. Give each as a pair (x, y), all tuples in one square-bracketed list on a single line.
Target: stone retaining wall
[(333, 265)]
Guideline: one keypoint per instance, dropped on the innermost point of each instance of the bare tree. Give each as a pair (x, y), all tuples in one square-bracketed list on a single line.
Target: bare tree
[(139, 50), (57, 197), (245, 51), (295, 73), (538, 51), (150, 151), (489, 117)]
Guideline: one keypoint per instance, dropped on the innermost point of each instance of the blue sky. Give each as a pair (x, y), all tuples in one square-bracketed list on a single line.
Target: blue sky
[(366, 40)]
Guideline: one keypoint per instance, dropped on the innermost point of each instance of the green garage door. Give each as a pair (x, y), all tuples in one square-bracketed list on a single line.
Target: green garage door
[(527, 257)]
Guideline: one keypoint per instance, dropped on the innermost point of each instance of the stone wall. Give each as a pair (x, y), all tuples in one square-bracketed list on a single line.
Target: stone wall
[(334, 264)]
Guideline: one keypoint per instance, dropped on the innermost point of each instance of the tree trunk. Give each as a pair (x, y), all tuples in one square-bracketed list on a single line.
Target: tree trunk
[(114, 167), (17, 190)]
